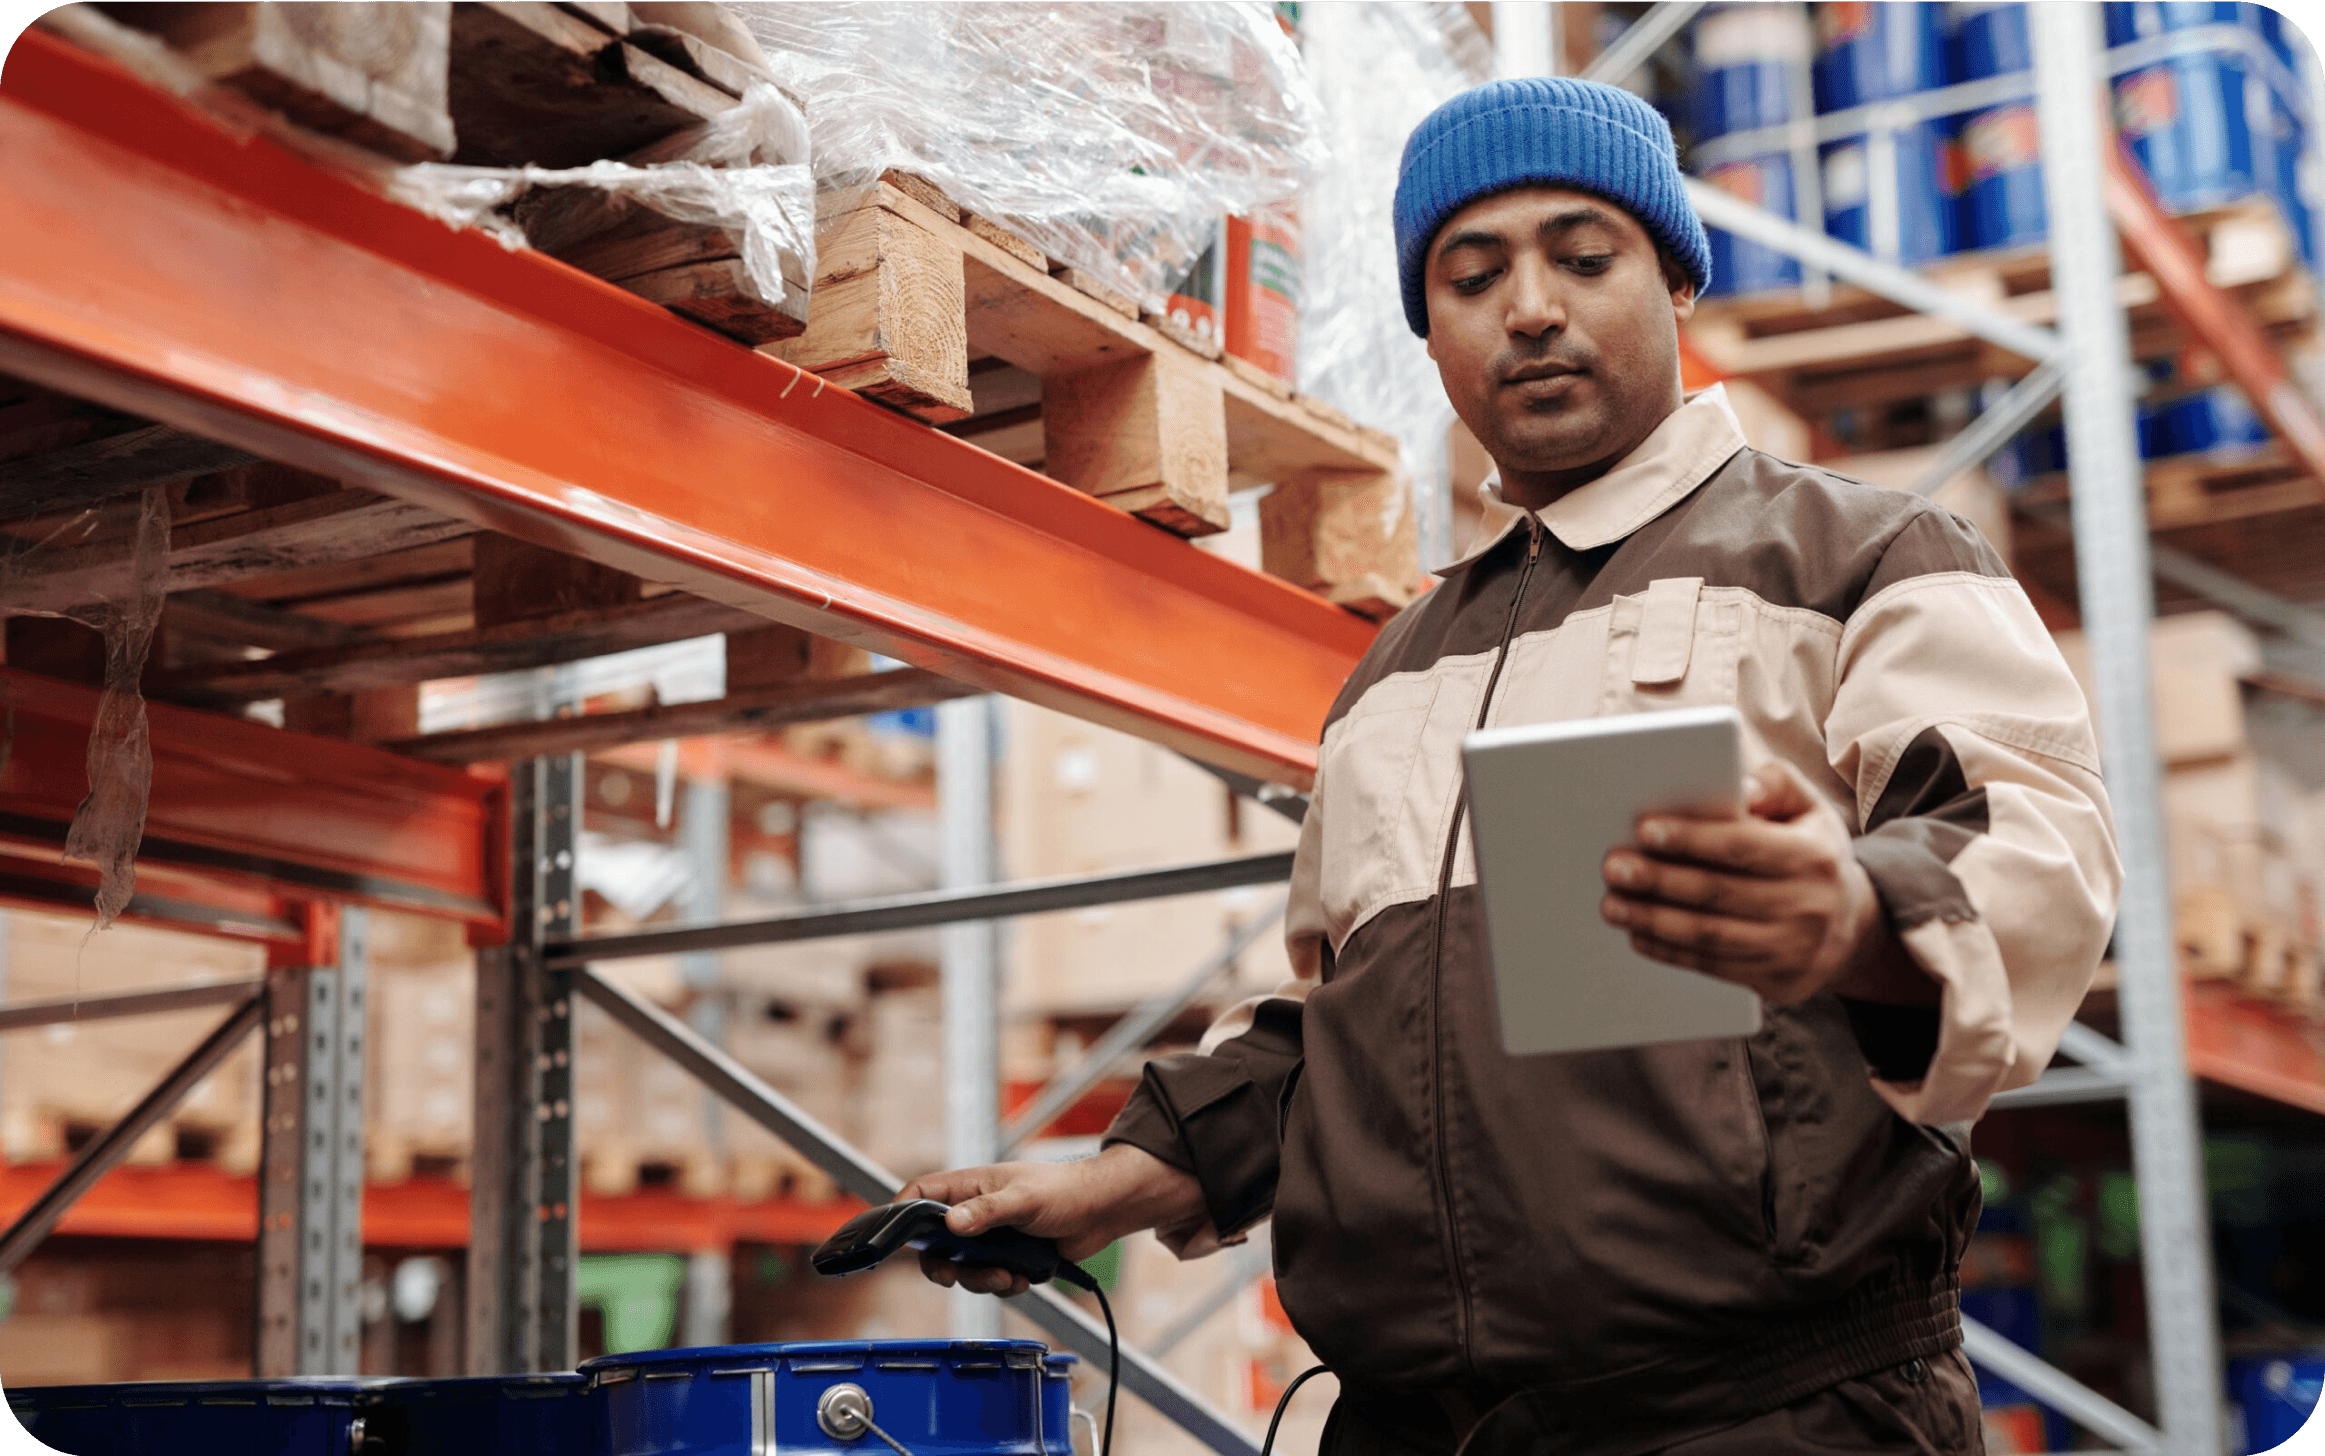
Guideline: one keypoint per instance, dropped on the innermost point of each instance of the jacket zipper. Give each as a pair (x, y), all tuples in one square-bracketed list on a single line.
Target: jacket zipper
[(1437, 959)]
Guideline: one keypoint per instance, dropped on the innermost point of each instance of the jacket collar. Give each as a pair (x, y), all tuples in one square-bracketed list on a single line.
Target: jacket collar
[(1693, 441)]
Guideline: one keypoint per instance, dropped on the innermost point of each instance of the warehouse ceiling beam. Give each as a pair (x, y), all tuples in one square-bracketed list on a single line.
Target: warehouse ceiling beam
[(530, 399), (243, 804), (112, 1145), (1854, 265), (941, 907), (1637, 45), (866, 1179)]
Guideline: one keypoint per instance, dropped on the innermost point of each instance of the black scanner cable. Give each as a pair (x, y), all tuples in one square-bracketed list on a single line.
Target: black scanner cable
[(1081, 1278)]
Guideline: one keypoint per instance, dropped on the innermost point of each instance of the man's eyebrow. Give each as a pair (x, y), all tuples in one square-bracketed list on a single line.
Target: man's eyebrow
[(1471, 238), (1575, 217)]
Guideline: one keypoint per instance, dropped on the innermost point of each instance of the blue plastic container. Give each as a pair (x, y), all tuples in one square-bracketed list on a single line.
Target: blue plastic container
[(2274, 1395), (1057, 1400), (1987, 38), (937, 1397), (2287, 141), (486, 1415), (196, 1418), (1750, 62), (2140, 19)]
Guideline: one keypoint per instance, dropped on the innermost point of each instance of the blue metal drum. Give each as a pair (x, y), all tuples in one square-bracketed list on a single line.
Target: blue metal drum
[(2287, 141), (1057, 1398), (1987, 38), (1923, 179), (1893, 191), (2274, 1395), (196, 1418), (2127, 22), (936, 1397), (1750, 65), (2002, 204), (487, 1415), (2189, 121), (1877, 51)]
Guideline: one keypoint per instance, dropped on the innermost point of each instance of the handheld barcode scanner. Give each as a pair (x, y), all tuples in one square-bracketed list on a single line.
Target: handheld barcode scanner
[(919, 1223)]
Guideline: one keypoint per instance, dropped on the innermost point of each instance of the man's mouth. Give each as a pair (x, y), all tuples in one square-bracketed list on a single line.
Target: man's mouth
[(1533, 372)]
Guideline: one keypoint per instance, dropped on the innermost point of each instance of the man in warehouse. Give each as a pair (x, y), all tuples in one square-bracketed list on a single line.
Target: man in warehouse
[(1705, 1247)]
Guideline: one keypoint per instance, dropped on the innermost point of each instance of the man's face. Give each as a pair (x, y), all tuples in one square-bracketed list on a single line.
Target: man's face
[(1555, 326)]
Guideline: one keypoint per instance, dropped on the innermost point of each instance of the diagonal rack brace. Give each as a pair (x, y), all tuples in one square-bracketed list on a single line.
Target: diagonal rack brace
[(98, 1158), (942, 907), (867, 1180)]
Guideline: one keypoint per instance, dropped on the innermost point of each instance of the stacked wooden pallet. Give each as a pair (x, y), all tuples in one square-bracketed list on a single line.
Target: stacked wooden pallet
[(915, 302), (2244, 807)]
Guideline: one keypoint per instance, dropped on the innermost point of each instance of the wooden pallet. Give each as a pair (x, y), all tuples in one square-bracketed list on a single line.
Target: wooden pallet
[(1860, 349), (2222, 938), (945, 316)]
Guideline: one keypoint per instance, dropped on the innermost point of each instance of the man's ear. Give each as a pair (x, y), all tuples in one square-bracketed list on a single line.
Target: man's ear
[(1682, 287)]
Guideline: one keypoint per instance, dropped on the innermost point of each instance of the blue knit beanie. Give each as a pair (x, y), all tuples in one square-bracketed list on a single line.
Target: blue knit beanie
[(1550, 130)]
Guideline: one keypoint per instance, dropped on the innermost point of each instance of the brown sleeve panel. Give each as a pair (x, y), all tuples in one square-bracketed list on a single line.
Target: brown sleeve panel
[(1926, 815), (1218, 1116)]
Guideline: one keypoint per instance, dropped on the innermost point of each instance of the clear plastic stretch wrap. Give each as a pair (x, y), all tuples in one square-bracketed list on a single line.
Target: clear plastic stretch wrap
[(748, 173), (105, 567), (1114, 137), (1379, 69)]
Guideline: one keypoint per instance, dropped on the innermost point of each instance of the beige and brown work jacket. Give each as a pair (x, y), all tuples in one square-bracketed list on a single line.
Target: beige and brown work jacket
[(1652, 1241)]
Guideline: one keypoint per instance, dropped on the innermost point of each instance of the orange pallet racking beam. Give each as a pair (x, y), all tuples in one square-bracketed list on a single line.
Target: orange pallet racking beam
[(158, 263)]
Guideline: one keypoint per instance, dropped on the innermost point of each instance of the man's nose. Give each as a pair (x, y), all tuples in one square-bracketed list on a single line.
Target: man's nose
[(1535, 304)]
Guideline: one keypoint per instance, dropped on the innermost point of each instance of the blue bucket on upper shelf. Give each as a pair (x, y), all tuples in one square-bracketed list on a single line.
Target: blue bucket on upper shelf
[(2218, 419), (486, 1415), (2287, 142), (2190, 122), (1987, 38), (1749, 63), (196, 1418), (936, 1397), (1895, 191), (2002, 202), (2273, 1395)]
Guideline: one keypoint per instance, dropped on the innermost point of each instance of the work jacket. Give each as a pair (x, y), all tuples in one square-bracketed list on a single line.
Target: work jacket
[(1666, 1239)]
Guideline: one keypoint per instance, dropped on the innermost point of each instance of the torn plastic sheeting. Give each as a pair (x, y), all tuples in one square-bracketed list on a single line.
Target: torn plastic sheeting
[(1379, 70), (135, 531), (1113, 137), (747, 173)]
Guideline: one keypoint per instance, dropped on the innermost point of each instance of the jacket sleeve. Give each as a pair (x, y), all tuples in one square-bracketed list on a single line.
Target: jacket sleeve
[(1985, 829), (1216, 1112)]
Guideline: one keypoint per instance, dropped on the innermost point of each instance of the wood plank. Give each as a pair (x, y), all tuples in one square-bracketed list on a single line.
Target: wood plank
[(1347, 536), (343, 526), (114, 465), (806, 700), (517, 581), (335, 581), (227, 618), (1148, 434), (372, 73), (537, 642), (529, 87), (719, 294), (888, 316)]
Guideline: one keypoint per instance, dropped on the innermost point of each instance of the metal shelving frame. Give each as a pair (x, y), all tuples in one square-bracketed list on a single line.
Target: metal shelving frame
[(97, 159)]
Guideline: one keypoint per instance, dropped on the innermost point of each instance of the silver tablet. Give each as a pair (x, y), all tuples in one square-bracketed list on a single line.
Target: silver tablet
[(1546, 803)]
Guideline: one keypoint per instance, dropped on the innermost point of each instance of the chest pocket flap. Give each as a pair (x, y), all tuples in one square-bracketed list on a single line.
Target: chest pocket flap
[(1666, 630)]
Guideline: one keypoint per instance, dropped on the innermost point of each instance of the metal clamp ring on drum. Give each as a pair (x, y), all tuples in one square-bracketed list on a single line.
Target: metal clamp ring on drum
[(844, 1412)]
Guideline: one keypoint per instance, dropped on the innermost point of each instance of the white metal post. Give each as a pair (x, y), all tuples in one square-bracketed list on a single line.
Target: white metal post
[(964, 781), (2112, 564), (1525, 38), (703, 831)]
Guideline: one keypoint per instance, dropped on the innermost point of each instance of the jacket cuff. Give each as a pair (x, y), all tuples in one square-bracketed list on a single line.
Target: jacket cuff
[(1202, 1115), (1899, 1042), (1915, 886)]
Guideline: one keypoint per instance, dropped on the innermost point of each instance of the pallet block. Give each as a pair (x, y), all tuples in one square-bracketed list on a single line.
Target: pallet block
[(371, 73), (914, 297)]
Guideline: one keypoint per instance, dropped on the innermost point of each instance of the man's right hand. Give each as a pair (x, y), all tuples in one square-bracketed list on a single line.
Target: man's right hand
[(1084, 1206)]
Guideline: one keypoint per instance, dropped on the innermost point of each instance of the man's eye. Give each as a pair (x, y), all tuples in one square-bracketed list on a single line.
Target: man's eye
[(1591, 262), (1475, 282)]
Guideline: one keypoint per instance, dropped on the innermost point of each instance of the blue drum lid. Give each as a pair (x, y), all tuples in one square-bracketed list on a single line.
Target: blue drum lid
[(937, 1397), (194, 1418), (486, 1415)]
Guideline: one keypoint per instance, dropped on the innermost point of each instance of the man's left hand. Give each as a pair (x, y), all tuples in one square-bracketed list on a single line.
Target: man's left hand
[(1774, 901)]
